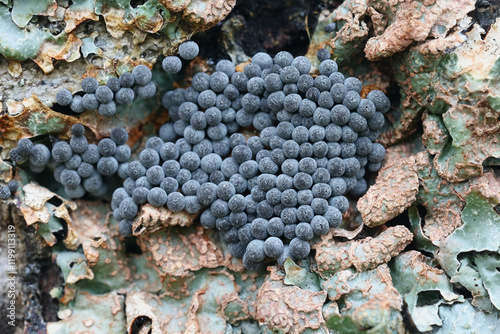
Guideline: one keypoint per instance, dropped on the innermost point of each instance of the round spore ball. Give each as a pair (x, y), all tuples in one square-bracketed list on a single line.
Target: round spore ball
[(223, 224), (76, 104), (319, 205), (304, 231), (340, 202), (268, 166), (376, 122), (207, 100), (193, 136), (77, 129), (366, 108), (333, 216), (266, 181), (377, 153), (207, 193), (122, 153), (13, 186), (128, 208), (155, 175), (89, 85), (77, 192), (262, 59), (207, 219), (320, 225), (291, 149), (200, 176), (124, 95), (61, 152), (149, 157), (142, 75), (107, 166), (225, 190), (169, 184), (219, 208), (380, 100), (305, 197), (93, 184), (300, 134), (107, 109), (190, 188), (359, 189), (225, 66), (299, 249), (255, 251), (166, 133), (104, 94), (237, 249), (351, 100), (85, 170), (70, 178), (74, 162), (125, 228), (273, 196), (189, 50), (264, 210), (322, 55), (24, 146), (273, 247), (307, 165), (258, 228), (241, 153), (353, 84), (119, 136), (338, 186), (229, 167), (136, 170), (64, 97), (302, 64), (374, 166), (128, 183), (127, 80), (249, 169), (273, 82), (338, 91), (190, 161), (106, 147), (176, 202), (218, 81), (231, 236), (5, 192), (146, 91), (237, 203), (257, 194), (302, 181), (322, 83), (89, 102), (157, 197), (238, 219), (348, 134), (284, 182), (140, 195), (91, 155), (330, 27), (171, 64), (113, 84), (305, 82)]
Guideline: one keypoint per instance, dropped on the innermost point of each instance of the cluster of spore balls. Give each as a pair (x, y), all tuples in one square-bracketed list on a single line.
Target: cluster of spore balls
[(269, 195), (116, 91), (8, 190), (78, 165)]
